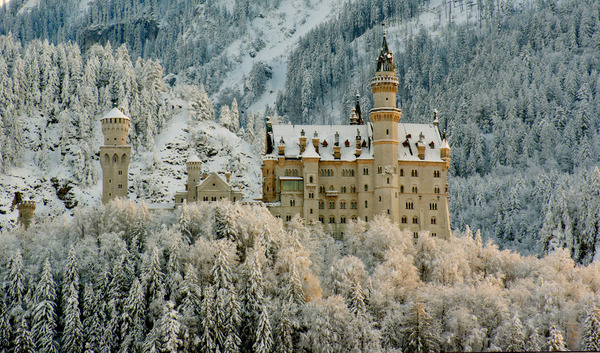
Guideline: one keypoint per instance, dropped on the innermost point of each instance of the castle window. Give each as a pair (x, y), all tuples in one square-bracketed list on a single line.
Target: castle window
[(366, 218), (120, 186), (343, 205), (331, 219), (379, 170), (434, 235), (402, 188), (433, 206), (214, 198), (120, 172), (388, 180), (321, 205), (310, 179), (404, 220), (366, 187), (365, 171), (277, 216), (288, 218), (311, 211), (115, 158), (433, 220), (414, 173), (109, 181), (354, 218), (311, 195), (379, 198), (353, 205), (366, 204), (415, 219), (292, 203), (205, 198), (401, 172), (388, 211), (416, 235), (436, 173), (322, 189), (343, 189), (409, 205), (332, 205), (331, 188), (387, 131), (321, 219), (343, 219), (436, 190), (353, 189)]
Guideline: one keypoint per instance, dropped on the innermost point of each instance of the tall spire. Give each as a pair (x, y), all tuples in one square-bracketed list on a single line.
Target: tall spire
[(359, 116), (385, 60)]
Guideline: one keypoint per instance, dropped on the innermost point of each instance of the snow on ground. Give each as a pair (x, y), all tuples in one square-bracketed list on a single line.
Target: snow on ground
[(280, 31)]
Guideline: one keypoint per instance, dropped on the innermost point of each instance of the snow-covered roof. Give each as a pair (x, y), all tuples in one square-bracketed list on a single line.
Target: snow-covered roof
[(430, 134), (193, 158), (407, 132), (115, 113), (292, 133)]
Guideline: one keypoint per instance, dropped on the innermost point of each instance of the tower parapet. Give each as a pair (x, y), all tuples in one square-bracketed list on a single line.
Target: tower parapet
[(26, 211), (115, 155)]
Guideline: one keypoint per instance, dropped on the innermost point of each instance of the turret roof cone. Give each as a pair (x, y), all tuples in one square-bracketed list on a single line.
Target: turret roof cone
[(385, 60), (193, 158), (115, 113)]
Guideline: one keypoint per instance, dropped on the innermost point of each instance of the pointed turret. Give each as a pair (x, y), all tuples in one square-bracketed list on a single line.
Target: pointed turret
[(385, 61)]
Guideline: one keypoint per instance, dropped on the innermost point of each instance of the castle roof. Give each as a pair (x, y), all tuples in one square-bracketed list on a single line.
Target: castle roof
[(115, 113), (193, 158), (408, 137)]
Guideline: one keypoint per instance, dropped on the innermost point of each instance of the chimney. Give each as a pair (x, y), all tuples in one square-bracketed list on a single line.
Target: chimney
[(302, 141), (315, 141)]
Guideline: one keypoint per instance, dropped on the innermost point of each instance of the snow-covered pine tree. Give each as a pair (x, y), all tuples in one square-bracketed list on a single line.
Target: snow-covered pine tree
[(117, 293), (23, 339), (356, 301), (235, 117), (72, 338), (44, 312), (555, 341), (207, 332), (284, 332), (133, 325), (5, 339), (534, 342), (263, 340), (92, 328), (590, 338), (14, 281), (70, 275), (224, 222), (191, 304), (170, 327), (294, 289), (225, 117), (419, 333)]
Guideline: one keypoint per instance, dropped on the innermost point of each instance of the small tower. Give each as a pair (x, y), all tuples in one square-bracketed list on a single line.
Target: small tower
[(26, 210), (115, 155), (194, 168)]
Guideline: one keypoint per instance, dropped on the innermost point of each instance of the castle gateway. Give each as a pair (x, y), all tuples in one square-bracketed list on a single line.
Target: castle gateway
[(337, 173)]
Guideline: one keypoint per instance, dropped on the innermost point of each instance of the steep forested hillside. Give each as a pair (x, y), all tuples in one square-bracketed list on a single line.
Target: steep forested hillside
[(231, 278)]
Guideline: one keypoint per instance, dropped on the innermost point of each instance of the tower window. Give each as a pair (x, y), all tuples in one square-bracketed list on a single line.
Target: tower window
[(343, 219), (332, 205), (366, 187), (120, 172), (409, 205), (401, 188), (433, 206), (434, 235), (415, 220), (379, 198), (436, 173), (109, 181), (433, 220), (414, 173), (365, 171), (321, 219), (120, 186), (436, 190), (416, 235), (321, 205), (310, 179), (331, 219), (366, 204), (387, 131), (343, 189), (388, 180), (311, 195), (311, 211), (292, 203), (401, 172), (414, 189), (404, 220)]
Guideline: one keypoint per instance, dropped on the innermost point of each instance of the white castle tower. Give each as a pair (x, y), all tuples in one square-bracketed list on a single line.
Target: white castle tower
[(115, 155)]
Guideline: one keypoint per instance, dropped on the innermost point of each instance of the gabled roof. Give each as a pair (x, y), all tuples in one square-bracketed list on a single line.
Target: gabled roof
[(410, 134), (214, 182)]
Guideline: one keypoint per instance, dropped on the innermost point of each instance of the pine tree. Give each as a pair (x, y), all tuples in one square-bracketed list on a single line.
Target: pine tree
[(252, 303), (16, 287), (133, 328), (23, 339), (5, 339), (71, 274), (284, 331), (191, 303), (590, 340), (356, 302), (555, 340), (72, 339), (534, 342), (170, 327), (226, 306), (44, 312), (208, 343), (153, 278), (263, 337), (516, 336), (419, 333), (92, 328)]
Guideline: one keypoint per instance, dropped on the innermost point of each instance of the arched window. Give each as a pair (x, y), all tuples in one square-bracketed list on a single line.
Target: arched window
[(433, 220), (310, 179), (366, 187), (401, 172), (415, 219), (404, 220)]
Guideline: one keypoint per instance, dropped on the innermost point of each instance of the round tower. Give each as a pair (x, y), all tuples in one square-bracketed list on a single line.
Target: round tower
[(115, 155), (384, 117), (26, 211), (194, 169)]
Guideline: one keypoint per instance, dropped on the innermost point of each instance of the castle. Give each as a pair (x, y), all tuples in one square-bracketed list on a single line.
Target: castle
[(327, 173), (337, 173)]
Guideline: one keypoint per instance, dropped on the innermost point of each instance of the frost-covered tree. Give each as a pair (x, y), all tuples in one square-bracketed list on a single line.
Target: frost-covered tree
[(420, 333), (555, 341), (590, 338), (133, 326), (153, 282), (170, 327), (72, 338), (15, 287), (23, 339), (44, 320), (284, 332), (91, 314)]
